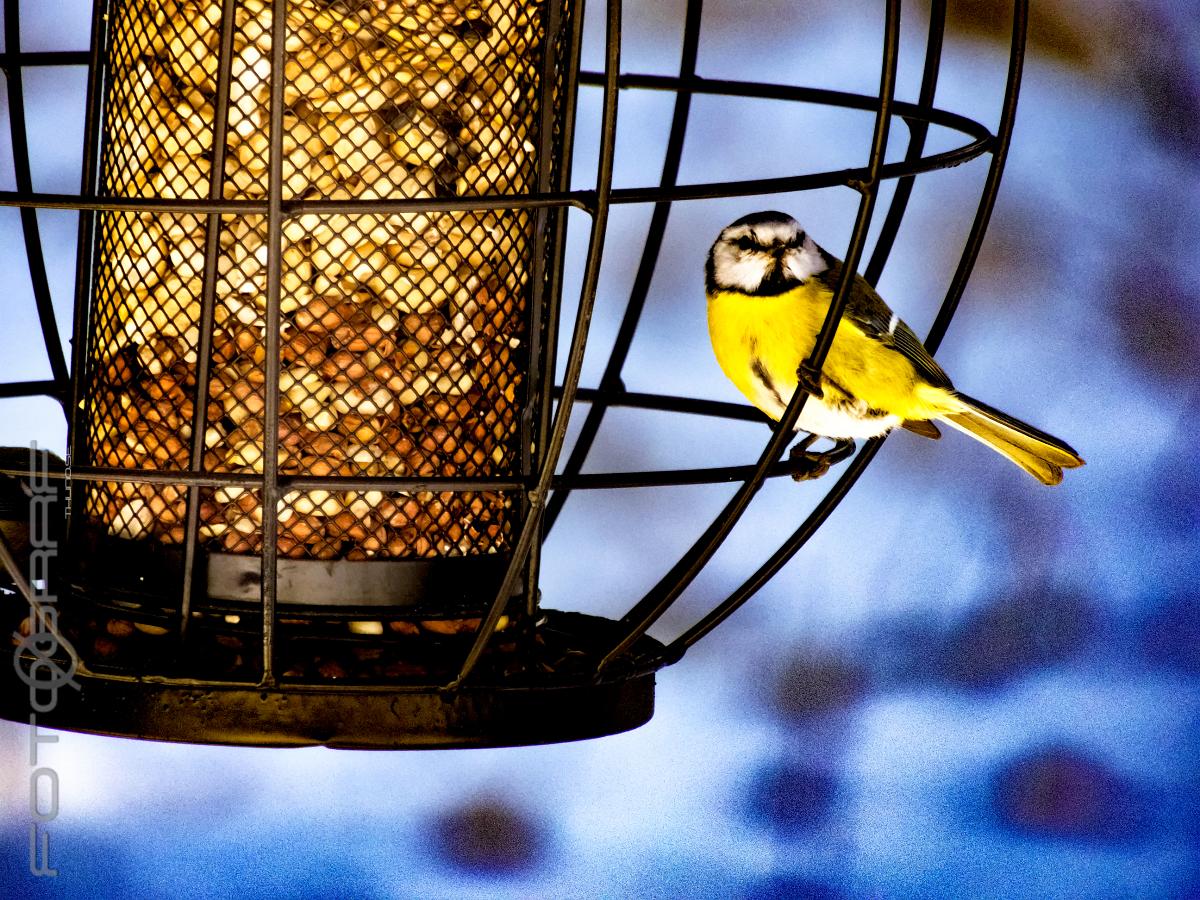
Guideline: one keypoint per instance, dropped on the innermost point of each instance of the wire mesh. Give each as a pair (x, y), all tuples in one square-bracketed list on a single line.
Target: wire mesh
[(403, 338)]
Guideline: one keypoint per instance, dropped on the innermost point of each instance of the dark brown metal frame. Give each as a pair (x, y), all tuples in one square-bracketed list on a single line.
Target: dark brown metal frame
[(627, 654)]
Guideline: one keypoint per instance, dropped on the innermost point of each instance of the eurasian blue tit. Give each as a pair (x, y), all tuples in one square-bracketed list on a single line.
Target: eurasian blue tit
[(769, 288)]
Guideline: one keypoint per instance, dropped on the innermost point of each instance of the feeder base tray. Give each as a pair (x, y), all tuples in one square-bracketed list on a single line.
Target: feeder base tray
[(369, 719), (538, 704)]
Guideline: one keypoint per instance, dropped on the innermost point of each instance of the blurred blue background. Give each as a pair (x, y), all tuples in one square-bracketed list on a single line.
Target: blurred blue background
[(967, 685)]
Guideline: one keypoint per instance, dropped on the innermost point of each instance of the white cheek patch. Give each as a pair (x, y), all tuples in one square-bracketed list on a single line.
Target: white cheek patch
[(806, 262), (738, 271)]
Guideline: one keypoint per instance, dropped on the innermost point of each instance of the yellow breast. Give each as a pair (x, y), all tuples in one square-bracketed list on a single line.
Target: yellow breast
[(754, 337), (775, 333)]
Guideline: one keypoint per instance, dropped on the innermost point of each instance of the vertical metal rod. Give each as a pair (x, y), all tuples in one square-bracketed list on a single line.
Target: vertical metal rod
[(547, 224), (817, 517), (212, 250), (29, 223), (537, 500), (549, 349), (916, 144), (610, 381), (991, 185), (86, 249), (542, 217), (648, 610), (270, 489)]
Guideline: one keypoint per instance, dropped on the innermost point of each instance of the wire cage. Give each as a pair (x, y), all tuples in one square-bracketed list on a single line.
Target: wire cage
[(314, 423)]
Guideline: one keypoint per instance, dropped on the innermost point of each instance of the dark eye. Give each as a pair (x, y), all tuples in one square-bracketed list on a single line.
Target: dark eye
[(745, 243)]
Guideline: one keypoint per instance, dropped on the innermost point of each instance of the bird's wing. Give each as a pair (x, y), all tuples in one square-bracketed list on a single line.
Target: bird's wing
[(867, 310), (905, 342)]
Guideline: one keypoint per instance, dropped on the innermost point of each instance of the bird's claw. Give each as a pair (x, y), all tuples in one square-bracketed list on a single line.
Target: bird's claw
[(809, 380), (809, 465)]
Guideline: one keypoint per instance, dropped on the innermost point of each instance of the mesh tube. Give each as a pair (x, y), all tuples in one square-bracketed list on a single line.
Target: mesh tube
[(404, 338)]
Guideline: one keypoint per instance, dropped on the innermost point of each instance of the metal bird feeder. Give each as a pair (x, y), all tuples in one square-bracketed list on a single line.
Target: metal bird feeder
[(314, 423)]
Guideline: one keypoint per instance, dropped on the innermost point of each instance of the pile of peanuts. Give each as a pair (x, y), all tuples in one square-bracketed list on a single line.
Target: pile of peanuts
[(401, 336)]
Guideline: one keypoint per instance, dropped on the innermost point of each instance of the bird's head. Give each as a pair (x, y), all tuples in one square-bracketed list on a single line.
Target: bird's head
[(763, 253)]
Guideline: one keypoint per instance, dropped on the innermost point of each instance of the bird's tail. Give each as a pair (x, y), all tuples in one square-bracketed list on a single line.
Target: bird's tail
[(1041, 455)]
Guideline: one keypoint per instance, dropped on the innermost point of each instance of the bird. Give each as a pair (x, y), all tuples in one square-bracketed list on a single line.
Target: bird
[(769, 286)]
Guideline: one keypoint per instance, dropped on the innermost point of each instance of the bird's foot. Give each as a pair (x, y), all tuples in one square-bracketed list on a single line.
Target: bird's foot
[(810, 465), (809, 380)]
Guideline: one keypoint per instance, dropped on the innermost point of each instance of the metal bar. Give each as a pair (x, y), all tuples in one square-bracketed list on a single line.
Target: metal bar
[(672, 477), (292, 688), (208, 295), (30, 389), (39, 200), (270, 479), (12, 59), (796, 183), (29, 224), (537, 497), (407, 483), (611, 379), (89, 179), (298, 482), (665, 403), (546, 264), (918, 130), (648, 610), (147, 476), (795, 93), (584, 200), (991, 185), (591, 481)]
